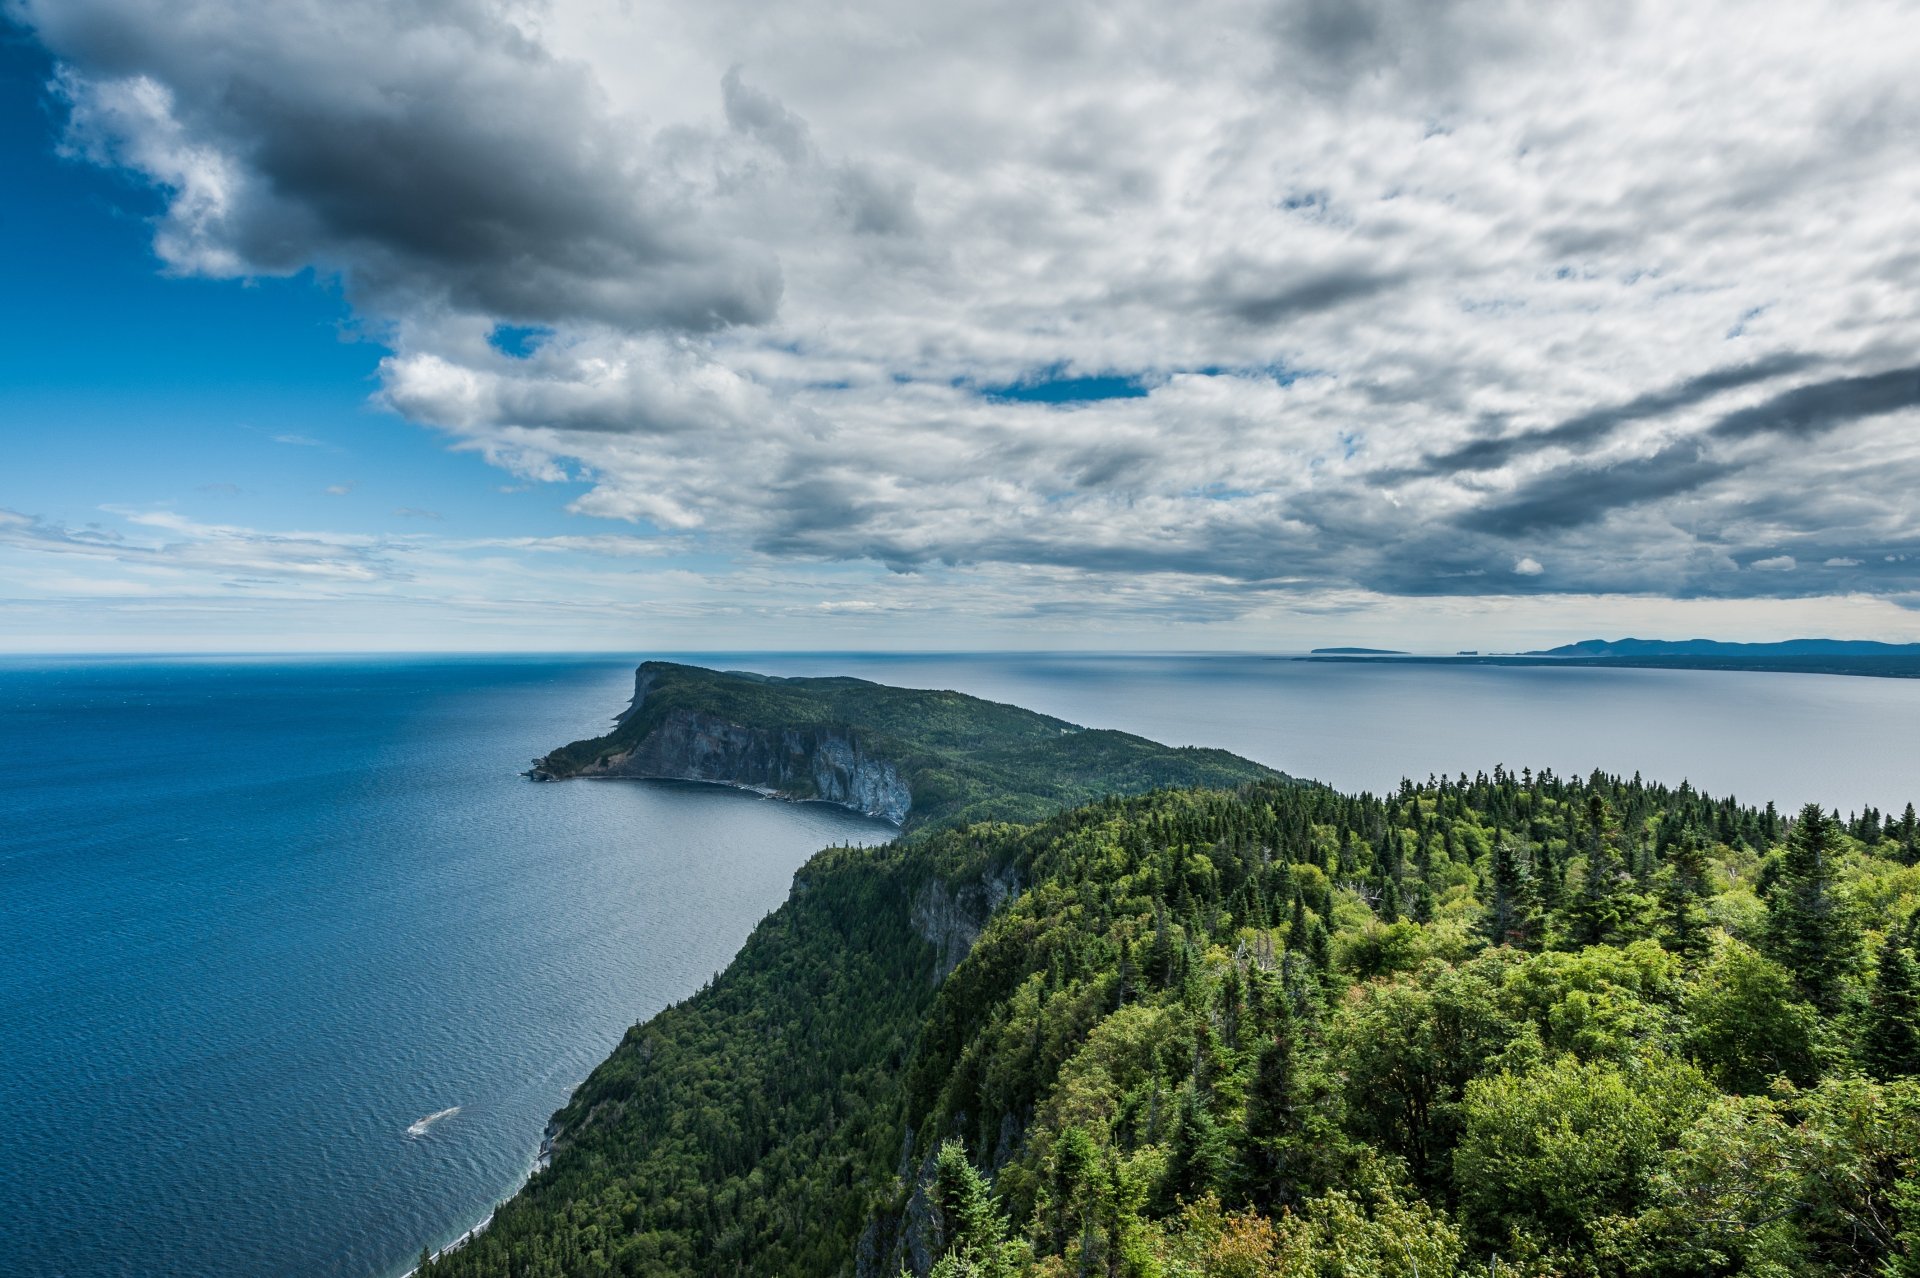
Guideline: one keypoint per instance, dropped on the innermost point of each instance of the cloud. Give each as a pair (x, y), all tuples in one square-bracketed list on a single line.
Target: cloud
[(340, 490), (1419, 294), (1774, 563), (171, 544)]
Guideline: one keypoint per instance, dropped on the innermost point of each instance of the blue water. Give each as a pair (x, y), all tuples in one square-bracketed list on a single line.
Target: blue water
[(258, 917)]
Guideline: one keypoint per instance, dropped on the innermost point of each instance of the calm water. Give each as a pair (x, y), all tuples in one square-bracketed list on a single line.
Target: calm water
[(256, 918)]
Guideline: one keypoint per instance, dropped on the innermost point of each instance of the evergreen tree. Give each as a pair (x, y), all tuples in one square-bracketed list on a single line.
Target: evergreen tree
[(1808, 931), (1607, 906), (1199, 1158), (1683, 894), (1513, 913), (1273, 1117), (972, 1232), (1892, 1042)]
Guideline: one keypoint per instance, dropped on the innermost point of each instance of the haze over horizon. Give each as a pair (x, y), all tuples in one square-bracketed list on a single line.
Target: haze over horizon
[(1262, 325)]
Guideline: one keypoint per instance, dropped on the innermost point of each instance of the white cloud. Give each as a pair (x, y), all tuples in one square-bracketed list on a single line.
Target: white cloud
[(1774, 563), (1424, 296)]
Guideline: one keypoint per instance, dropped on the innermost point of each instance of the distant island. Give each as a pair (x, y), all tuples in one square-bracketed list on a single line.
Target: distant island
[(1358, 652), (1716, 648), (1792, 656), (1249, 1026)]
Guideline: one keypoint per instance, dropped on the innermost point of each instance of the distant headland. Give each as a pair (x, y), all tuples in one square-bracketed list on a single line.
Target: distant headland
[(1791, 656)]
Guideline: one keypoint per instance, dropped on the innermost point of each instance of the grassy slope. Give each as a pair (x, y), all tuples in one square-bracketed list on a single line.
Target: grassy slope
[(964, 759)]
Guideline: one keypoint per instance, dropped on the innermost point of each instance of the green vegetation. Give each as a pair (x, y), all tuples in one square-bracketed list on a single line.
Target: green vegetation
[(963, 758), (1510, 1024)]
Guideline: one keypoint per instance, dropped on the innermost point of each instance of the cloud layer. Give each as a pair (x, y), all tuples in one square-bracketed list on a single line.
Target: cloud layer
[(1427, 298)]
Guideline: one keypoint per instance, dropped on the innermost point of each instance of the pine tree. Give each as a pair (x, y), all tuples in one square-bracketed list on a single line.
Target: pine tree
[(1808, 931), (1891, 1046)]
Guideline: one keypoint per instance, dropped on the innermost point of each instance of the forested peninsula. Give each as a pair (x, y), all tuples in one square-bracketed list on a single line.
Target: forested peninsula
[(1163, 1012)]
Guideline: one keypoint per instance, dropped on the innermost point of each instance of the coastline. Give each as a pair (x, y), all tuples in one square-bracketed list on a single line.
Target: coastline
[(541, 1159), (764, 791)]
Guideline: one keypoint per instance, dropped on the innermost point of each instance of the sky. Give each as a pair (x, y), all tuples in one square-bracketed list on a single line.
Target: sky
[(1238, 324)]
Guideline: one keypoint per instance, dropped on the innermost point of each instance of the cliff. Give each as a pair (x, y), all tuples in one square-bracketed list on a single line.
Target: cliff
[(826, 764), (912, 756)]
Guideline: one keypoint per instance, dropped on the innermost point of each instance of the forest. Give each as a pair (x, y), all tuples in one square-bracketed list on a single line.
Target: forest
[(1510, 1024)]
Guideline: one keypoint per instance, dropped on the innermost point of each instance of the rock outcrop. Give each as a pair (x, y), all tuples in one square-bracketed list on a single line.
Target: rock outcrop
[(828, 764)]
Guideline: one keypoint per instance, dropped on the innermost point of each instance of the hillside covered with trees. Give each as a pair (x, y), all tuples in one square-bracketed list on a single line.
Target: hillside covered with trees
[(1513, 1024)]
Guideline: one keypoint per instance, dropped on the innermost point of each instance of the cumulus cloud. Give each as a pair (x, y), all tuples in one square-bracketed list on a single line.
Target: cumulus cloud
[(1423, 296)]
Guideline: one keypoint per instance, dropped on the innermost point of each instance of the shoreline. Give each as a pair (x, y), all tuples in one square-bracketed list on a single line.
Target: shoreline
[(542, 1158), (764, 791)]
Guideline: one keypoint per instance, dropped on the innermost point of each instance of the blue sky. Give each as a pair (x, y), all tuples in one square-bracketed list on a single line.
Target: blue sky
[(793, 328)]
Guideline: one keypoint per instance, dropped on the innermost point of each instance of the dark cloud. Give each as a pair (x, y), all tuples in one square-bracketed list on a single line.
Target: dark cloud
[(1247, 293), (1596, 425), (1419, 46), (760, 115), (429, 152), (1575, 495), (1823, 406)]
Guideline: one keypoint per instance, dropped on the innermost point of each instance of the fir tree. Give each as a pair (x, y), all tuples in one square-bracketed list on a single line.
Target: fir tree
[(1273, 1117), (1607, 906), (972, 1231), (1808, 931), (1892, 1042), (1683, 894), (1513, 914)]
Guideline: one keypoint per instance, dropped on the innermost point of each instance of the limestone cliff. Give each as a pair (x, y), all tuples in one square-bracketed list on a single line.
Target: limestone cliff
[(819, 762)]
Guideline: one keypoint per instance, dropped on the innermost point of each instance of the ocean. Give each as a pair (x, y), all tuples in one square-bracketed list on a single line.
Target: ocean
[(261, 919)]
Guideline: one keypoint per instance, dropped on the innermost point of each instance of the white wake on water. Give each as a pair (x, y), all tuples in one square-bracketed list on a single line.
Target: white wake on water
[(420, 1128)]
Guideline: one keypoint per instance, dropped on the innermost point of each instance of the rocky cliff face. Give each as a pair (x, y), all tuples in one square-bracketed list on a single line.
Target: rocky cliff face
[(827, 764)]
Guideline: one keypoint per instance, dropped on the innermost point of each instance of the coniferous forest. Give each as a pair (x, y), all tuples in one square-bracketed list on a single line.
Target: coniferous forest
[(1513, 1024)]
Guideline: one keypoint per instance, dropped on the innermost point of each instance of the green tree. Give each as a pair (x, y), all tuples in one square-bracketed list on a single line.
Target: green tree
[(971, 1230), (1891, 1044), (1200, 1155), (1555, 1153), (1607, 908), (1273, 1118), (1684, 888), (1809, 931), (1748, 1024), (1513, 914)]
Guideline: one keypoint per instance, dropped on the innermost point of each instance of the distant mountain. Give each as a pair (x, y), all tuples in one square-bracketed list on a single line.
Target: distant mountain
[(1716, 648), (1358, 652)]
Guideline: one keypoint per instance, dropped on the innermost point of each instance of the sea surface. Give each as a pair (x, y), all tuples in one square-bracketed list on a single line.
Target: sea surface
[(260, 918)]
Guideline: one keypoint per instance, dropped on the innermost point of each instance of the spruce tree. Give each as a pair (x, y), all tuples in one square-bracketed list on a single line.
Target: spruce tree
[(1808, 931), (1513, 914), (1607, 905), (1273, 1113), (1683, 894), (1891, 1046)]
